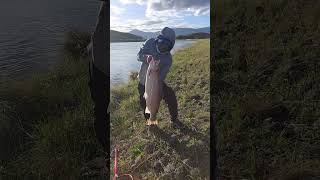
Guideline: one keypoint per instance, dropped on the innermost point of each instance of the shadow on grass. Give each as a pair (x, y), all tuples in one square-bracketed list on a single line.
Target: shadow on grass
[(195, 134), (195, 154)]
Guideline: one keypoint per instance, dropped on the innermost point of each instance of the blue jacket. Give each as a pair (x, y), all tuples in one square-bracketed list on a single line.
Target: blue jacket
[(149, 48)]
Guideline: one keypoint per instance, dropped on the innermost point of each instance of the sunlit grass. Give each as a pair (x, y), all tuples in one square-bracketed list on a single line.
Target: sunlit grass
[(189, 77)]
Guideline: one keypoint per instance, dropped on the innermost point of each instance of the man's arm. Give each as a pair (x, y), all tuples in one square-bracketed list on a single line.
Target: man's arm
[(164, 68), (144, 50), (140, 55)]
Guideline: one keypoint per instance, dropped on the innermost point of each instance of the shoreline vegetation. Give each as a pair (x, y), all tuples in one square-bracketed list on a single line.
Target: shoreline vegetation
[(116, 36), (195, 36), (46, 123)]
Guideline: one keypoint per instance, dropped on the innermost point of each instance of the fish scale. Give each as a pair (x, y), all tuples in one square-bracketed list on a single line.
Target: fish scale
[(153, 90)]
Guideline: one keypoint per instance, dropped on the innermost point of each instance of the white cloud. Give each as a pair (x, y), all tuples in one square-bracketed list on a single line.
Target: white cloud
[(116, 23), (188, 25), (116, 10), (173, 7), (150, 13), (160, 5), (202, 12), (181, 7), (161, 13), (143, 24)]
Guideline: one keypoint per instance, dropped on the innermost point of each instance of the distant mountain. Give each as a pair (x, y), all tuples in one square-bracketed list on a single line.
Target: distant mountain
[(179, 31), (116, 36), (144, 34), (204, 29), (186, 31), (200, 35)]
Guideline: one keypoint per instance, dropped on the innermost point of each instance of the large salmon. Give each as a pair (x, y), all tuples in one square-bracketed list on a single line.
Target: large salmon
[(153, 90)]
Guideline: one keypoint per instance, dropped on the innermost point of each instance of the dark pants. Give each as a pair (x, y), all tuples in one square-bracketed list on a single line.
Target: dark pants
[(169, 97), (99, 93)]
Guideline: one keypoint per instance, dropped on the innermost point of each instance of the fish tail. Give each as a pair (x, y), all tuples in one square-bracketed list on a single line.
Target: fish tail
[(152, 122)]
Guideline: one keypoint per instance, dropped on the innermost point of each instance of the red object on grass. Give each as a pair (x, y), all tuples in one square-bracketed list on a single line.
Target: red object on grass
[(116, 175)]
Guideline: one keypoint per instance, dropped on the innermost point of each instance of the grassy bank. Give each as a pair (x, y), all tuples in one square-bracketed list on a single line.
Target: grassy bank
[(147, 157), (265, 84), (47, 121), (46, 125)]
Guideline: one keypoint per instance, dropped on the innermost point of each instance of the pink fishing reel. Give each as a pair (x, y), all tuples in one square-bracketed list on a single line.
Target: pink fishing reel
[(116, 173)]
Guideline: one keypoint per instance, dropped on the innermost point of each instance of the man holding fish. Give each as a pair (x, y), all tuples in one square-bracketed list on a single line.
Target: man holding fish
[(156, 61)]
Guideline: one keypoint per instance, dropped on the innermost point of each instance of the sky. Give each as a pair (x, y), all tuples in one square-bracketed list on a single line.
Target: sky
[(153, 15)]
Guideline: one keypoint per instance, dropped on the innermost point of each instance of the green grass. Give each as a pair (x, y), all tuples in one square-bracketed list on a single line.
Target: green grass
[(266, 122), (58, 115), (47, 121), (189, 77)]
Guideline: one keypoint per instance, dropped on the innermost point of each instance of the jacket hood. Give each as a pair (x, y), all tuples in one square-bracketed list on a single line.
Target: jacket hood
[(169, 34)]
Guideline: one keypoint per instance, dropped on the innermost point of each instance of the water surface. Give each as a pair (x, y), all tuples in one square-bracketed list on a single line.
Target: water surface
[(32, 33), (124, 59)]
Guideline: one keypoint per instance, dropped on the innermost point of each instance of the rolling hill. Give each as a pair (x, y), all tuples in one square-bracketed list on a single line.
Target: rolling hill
[(143, 33), (194, 36), (179, 31), (116, 36)]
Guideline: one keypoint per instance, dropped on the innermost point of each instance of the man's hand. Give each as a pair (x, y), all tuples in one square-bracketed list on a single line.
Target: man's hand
[(149, 58)]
